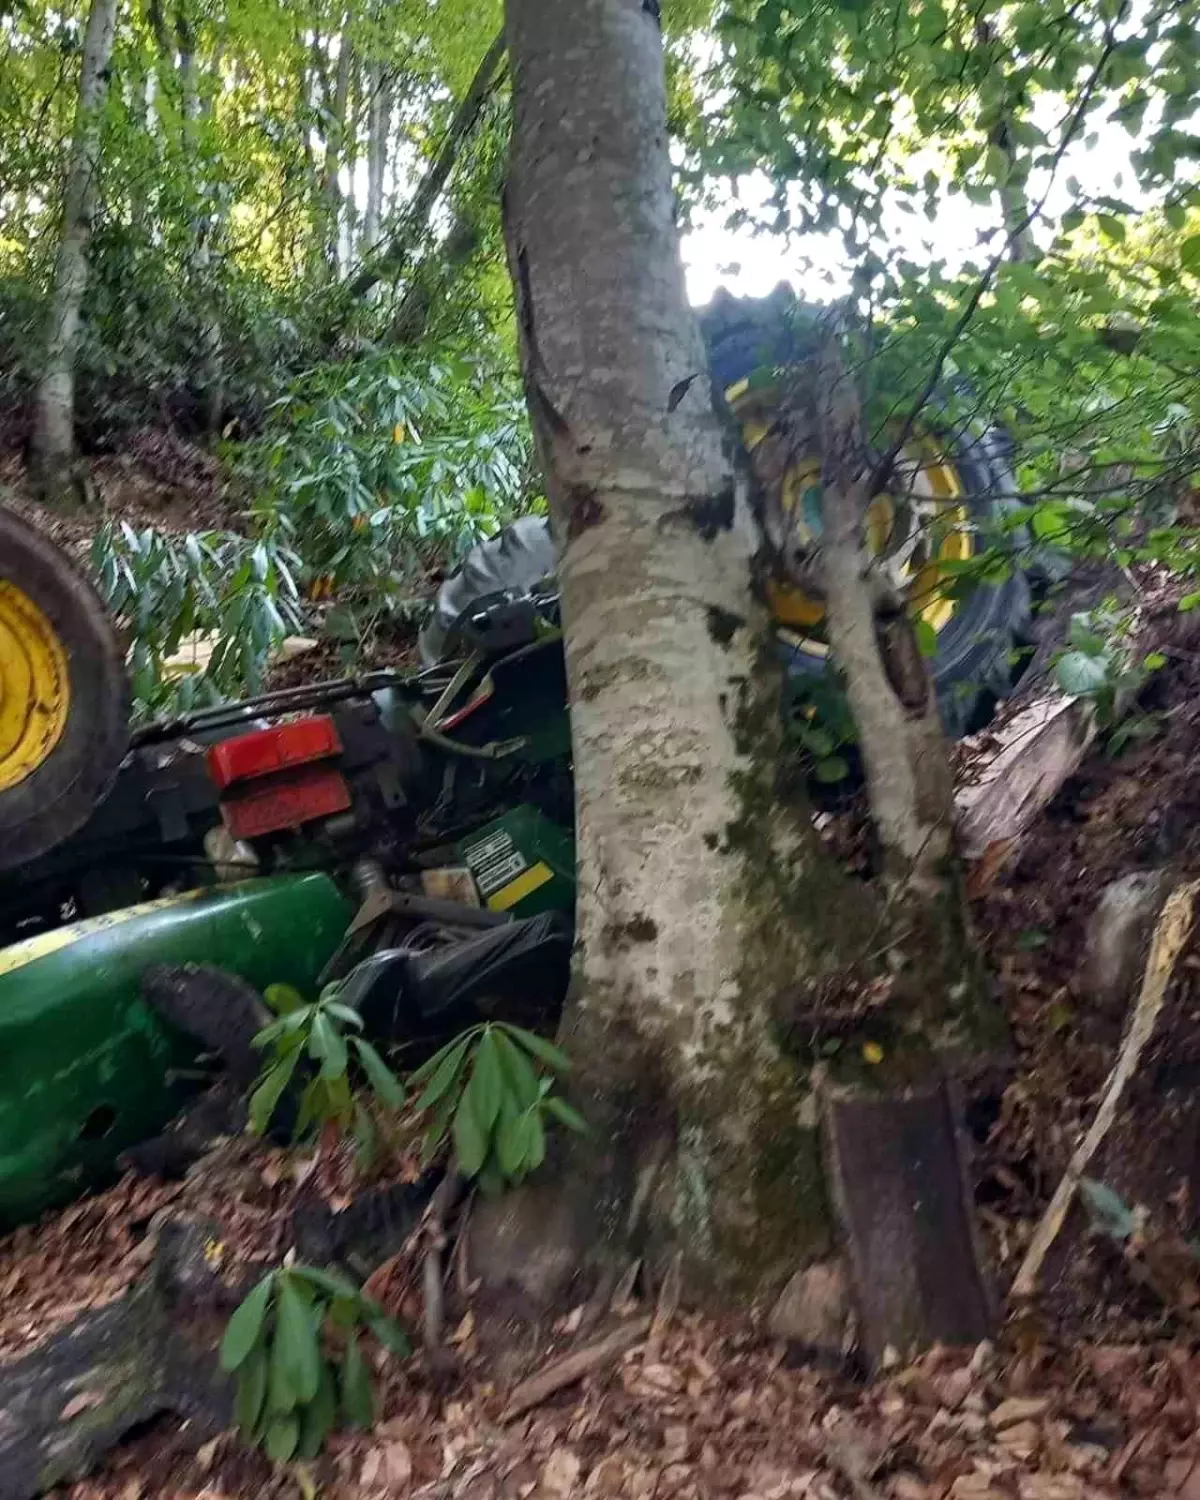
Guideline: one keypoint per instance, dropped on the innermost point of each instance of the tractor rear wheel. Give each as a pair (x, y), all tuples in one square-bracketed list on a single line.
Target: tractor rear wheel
[(64, 699)]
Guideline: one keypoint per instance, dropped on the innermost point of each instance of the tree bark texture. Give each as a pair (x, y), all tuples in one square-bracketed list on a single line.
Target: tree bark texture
[(379, 114), (53, 444), (701, 888), (936, 969)]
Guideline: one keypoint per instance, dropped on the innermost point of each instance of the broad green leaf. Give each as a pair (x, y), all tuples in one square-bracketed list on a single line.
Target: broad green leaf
[(246, 1325), (331, 1281), (1189, 602), (927, 641), (266, 1096), (566, 1115), (318, 1417), (512, 1143), (344, 1013), (251, 1390), (545, 1051), (358, 1400), (1081, 674), (327, 1045), (381, 1078), (281, 1391), (282, 1435), (1189, 253), (486, 1085), (435, 1132), (390, 1334), (470, 1140), (537, 1140), (283, 999), (519, 1075), (444, 1076)]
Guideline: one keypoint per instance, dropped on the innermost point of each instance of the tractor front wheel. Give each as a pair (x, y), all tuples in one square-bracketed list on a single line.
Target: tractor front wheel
[(64, 700)]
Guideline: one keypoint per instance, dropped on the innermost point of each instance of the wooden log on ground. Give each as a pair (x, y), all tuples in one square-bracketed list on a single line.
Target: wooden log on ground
[(151, 1351)]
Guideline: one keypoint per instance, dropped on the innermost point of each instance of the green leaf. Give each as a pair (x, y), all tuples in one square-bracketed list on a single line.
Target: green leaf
[(1111, 227), (296, 1332), (545, 1051), (390, 1334), (832, 768), (328, 1045), (444, 1076), (346, 1014), (537, 1140), (281, 1393), (518, 1070), (927, 641), (251, 1390), (512, 1143), (1080, 674), (330, 1281), (470, 1140), (566, 1115), (1189, 602), (1155, 661), (358, 1400), (283, 1433), (283, 999), (381, 1078), (485, 1087), (1189, 254), (1109, 1212), (266, 1096), (318, 1416), (246, 1325)]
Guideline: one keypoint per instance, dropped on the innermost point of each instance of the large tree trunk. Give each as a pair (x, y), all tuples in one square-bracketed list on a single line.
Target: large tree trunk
[(379, 117), (53, 444), (715, 941)]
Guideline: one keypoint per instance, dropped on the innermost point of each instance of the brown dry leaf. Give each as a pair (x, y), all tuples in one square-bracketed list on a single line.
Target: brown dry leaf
[(77, 1405), (560, 1473), (1018, 1409)]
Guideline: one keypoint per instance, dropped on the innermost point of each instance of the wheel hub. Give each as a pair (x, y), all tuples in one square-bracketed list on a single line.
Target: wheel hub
[(35, 694)]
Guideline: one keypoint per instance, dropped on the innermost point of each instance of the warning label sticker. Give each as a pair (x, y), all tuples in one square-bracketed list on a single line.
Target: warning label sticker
[(494, 861)]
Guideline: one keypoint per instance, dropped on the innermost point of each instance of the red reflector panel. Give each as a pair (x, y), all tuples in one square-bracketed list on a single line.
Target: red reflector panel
[(285, 802), (267, 750)]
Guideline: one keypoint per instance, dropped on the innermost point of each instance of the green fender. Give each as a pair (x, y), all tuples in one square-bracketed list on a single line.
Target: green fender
[(87, 1069)]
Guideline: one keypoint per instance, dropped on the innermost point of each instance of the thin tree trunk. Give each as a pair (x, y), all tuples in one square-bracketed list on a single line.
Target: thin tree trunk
[(53, 444), (935, 965), (397, 254), (378, 121), (335, 139)]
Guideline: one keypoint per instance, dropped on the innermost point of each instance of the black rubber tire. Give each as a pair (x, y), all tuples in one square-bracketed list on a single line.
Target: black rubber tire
[(56, 799), (973, 664)]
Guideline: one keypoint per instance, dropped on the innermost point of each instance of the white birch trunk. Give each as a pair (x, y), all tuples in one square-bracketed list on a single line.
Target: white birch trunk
[(378, 123), (700, 892), (53, 444)]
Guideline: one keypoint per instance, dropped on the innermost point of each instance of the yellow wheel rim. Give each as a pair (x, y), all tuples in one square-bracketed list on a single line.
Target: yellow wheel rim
[(915, 533), (35, 693)]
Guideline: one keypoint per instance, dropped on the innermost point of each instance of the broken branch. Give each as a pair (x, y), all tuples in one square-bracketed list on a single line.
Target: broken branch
[(572, 1367), (1170, 934)]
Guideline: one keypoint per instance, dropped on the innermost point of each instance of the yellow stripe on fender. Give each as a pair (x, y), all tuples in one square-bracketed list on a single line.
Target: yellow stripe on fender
[(28, 952)]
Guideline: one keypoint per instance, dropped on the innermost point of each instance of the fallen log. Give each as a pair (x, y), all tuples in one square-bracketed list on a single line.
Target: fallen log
[(151, 1351)]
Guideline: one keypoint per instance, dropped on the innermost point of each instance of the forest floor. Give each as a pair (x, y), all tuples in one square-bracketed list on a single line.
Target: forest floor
[(1093, 1391)]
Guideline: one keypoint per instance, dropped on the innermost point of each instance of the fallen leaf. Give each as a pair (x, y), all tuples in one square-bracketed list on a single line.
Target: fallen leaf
[(560, 1473)]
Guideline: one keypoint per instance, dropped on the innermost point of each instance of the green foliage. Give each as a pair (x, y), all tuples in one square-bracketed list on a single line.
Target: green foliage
[(377, 468), (164, 589), (294, 1346), (489, 1093), (348, 1082)]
